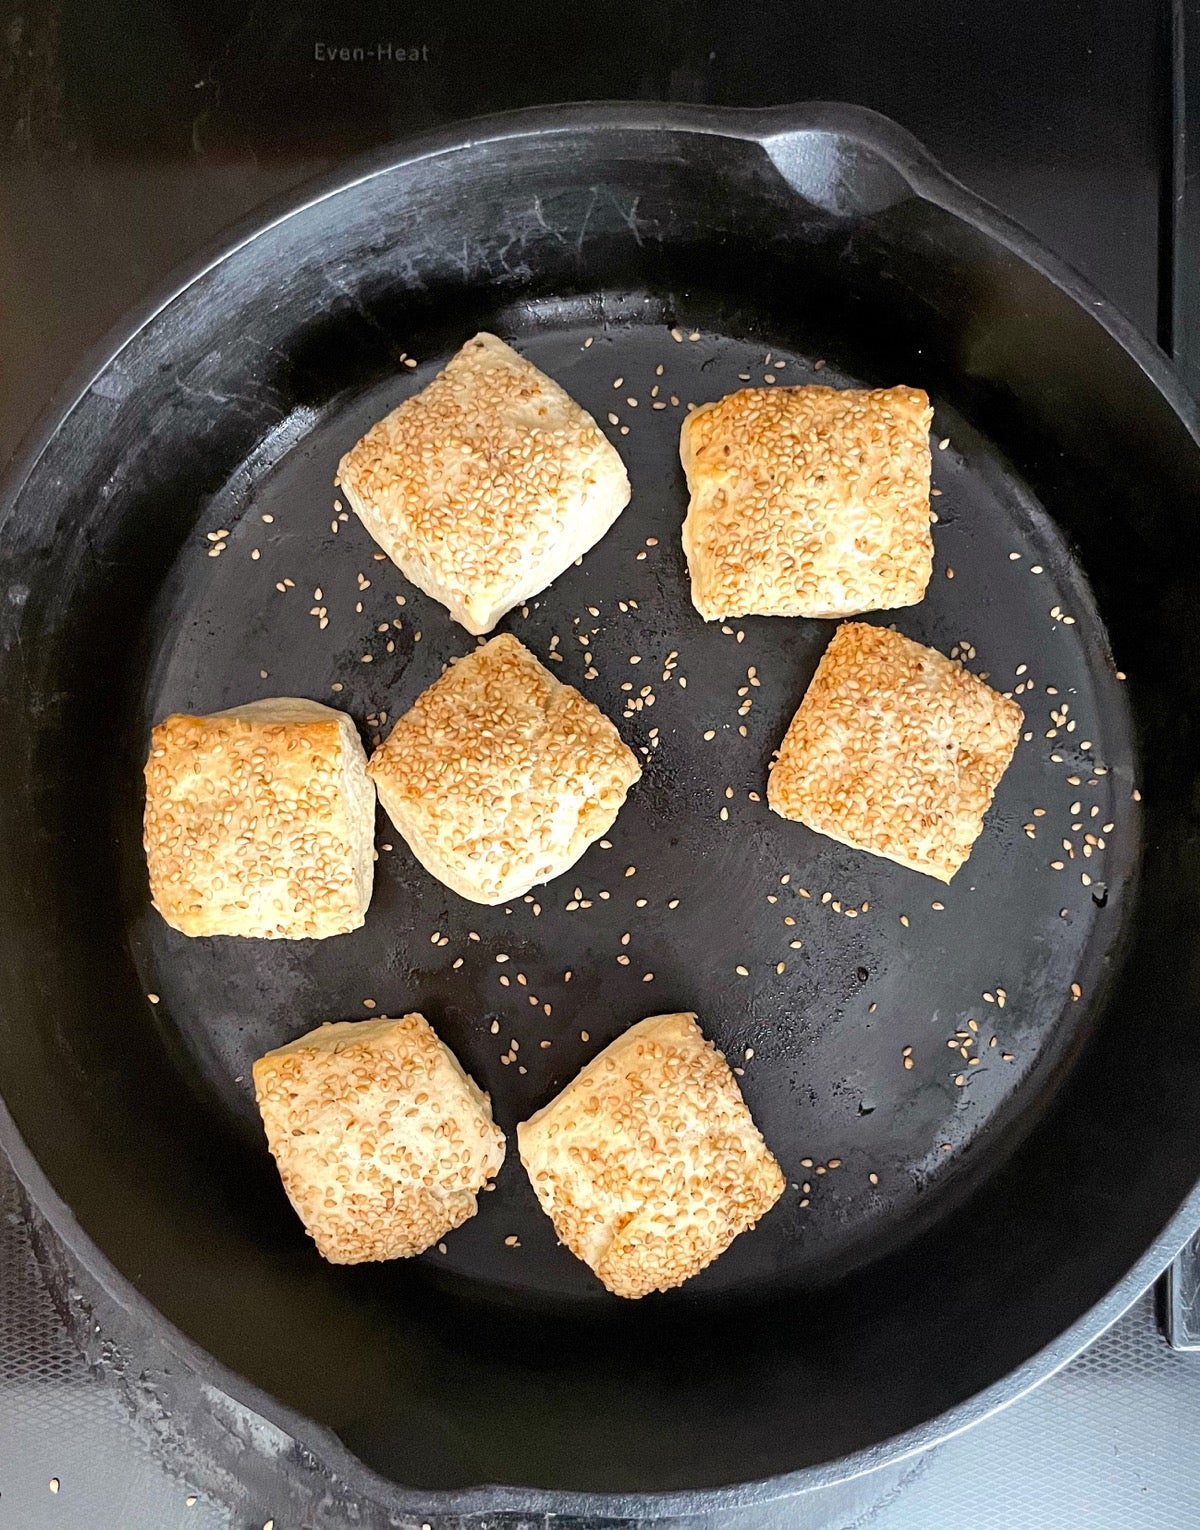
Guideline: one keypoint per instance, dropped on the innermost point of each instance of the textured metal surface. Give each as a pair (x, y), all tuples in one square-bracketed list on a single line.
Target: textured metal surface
[(61, 1423), (1108, 1444), (1181, 1298)]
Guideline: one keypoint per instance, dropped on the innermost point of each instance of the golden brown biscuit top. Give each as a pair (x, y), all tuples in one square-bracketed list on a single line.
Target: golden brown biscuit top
[(896, 749), (809, 500), (498, 763), (242, 813), (380, 1139), (476, 475), (649, 1162)]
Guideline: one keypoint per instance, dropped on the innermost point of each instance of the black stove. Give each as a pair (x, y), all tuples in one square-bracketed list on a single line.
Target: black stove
[(132, 134)]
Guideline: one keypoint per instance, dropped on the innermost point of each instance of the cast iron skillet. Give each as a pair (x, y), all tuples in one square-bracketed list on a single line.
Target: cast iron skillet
[(1025, 1190)]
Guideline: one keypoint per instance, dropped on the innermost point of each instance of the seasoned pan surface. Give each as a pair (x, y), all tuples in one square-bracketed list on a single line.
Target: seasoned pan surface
[(961, 1215), (834, 980)]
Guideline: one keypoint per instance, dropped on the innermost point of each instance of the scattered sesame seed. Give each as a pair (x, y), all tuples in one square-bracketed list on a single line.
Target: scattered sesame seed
[(742, 971)]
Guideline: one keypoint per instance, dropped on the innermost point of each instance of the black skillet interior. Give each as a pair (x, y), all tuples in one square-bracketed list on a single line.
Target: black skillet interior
[(951, 1207)]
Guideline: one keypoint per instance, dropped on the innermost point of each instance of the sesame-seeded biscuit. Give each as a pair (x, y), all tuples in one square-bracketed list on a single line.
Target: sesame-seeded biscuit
[(487, 484), (381, 1140), (808, 501), (499, 777), (896, 750), (260, 820), (649, 1164)]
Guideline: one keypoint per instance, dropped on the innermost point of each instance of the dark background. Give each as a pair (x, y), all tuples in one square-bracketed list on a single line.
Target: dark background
[(132, 133)]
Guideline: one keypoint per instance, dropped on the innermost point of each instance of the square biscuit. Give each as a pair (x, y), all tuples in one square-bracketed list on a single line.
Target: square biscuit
[(896, 750), (260, 821), (380, 1138), (499, 777), (649, 1164), (808, 501), (487, 484)]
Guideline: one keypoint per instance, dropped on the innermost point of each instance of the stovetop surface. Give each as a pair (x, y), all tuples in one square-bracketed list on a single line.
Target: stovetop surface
[(132, 133)]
